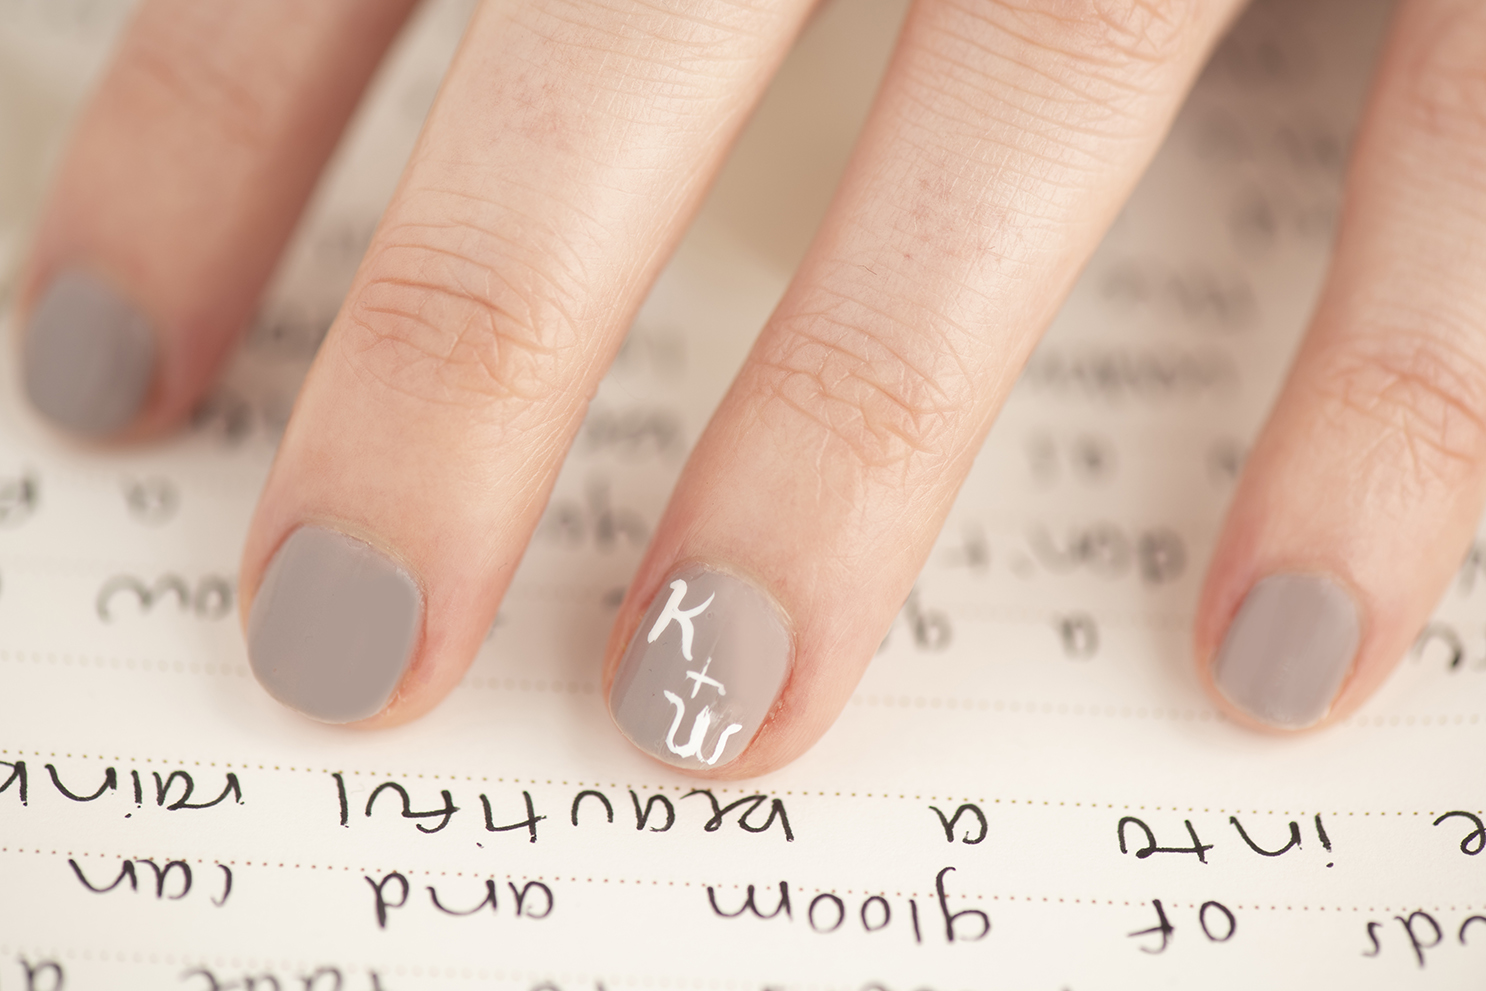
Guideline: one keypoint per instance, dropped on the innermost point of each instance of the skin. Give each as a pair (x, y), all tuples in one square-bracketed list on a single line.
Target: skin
[(570, 145)]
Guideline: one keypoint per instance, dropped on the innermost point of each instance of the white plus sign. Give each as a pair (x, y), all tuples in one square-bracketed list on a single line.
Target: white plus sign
[(700, 677)]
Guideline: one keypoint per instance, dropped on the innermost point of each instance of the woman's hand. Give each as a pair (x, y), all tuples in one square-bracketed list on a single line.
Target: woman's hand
[(569, 146)]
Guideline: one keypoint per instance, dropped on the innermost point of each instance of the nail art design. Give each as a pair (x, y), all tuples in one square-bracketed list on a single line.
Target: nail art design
[(88, 356), (703, 670), (1289, 649), (333, 627)]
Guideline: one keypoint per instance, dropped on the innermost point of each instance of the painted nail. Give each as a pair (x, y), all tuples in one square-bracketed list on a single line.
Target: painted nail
[(333, 627), (703, 670), (88, 356), (1289, 649)]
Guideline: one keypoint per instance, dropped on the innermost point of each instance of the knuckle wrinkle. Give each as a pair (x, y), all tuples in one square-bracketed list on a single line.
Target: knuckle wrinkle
[(448, 325), (884, 408), (1105, 31), (1427, 398)]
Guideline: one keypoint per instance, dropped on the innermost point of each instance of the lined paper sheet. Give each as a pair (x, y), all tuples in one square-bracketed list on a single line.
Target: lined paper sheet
[(1028, 789)]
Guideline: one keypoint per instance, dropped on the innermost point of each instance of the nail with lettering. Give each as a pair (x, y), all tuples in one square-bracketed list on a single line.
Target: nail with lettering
[(88, 356), (1289, 649), (334, 626), (703, 670)]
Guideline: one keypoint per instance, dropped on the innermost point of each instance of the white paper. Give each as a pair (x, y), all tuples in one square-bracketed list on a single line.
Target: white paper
[(1035, 693)]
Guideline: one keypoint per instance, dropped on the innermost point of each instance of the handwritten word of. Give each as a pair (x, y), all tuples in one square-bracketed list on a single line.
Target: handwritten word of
[(1216, 920)]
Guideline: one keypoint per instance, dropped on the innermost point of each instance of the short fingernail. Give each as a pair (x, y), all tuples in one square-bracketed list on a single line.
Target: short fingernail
[(333, 627), (1289, 649), (703, 670), (88, 356)]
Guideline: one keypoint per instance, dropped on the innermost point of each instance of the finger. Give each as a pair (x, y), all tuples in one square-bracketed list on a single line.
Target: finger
[(185, 175), (1366, 483), (569, 146), (1005, 139)]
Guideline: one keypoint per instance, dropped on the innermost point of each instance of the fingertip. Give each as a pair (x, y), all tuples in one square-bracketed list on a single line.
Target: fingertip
[(334, 626), (703, 670), (1288, 650), (88, 355)]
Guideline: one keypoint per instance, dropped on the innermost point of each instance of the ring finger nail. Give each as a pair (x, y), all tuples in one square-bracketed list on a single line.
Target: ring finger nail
[(1289, 649), (88, 356), (703, 670), (333, 626)]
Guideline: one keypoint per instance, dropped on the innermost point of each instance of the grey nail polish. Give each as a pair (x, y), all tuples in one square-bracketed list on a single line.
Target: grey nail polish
[(333, 627), (88, 356), (703, 670), (1289, 649)]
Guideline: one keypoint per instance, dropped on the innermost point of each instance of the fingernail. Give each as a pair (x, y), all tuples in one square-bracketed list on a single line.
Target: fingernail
[(333, 627), (703, 670), (1289, 649), (88, 356)]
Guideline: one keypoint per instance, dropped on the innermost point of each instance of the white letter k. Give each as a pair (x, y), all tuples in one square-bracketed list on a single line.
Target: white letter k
[(683, 617)]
